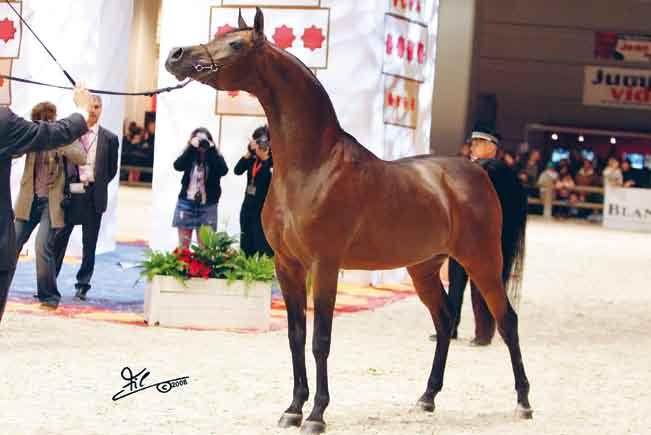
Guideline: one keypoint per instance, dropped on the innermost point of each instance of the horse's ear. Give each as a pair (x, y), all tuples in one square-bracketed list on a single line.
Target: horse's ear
[(258, 24), (240, 21)]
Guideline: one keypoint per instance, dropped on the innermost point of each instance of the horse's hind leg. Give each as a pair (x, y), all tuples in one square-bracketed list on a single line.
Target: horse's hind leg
[(487, 276), (430, 291)]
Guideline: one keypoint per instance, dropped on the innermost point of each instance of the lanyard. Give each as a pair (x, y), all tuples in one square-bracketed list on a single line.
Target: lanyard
[(257, 165)]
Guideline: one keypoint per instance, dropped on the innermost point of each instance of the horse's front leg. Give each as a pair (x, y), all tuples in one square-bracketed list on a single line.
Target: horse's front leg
[(291, 276), (324, 276)]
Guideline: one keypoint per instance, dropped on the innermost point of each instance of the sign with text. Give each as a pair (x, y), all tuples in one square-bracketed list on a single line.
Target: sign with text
[(623, 47), (627, 209), (617, 87)]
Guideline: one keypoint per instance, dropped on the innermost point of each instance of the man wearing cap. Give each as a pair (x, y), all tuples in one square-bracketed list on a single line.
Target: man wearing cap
[(483, 150)]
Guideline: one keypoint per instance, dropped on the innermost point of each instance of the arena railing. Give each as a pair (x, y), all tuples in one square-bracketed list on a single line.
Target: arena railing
[(547, 198)]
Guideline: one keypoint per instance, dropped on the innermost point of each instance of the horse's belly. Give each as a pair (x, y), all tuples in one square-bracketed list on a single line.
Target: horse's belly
[(398, 245)]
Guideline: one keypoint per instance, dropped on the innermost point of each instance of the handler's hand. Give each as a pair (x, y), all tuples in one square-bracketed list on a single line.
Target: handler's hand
[(81, 96)]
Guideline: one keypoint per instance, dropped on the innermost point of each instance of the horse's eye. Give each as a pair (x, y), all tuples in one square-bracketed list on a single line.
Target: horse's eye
[(236, 45)]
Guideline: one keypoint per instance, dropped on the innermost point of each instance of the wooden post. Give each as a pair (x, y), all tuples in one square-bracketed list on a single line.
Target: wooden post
[(547, 197)]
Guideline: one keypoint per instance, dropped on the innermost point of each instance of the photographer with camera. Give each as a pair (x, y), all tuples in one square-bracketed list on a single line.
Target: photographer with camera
[(202, 166), (258, 164)]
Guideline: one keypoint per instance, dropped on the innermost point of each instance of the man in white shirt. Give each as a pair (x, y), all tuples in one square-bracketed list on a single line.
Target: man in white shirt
[(102, 149)]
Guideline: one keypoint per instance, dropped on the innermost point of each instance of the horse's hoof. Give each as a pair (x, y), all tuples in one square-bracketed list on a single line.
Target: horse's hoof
[(524, 413), (425, 406), (313, 427), (290, 420)]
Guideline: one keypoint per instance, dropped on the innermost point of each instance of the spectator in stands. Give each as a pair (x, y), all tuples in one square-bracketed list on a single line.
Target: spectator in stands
[(509, 160), (631, 177), (612, 175), (564, 192), (150, 133), (531, 170), (576, 161), (586, 176), (133, 153), (203, 166), (549, 177)]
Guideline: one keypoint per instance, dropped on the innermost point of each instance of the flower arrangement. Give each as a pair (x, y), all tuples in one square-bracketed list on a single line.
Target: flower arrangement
[(215, 258)]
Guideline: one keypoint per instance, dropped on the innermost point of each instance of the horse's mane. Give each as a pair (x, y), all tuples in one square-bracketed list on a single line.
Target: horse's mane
[(308, 72)]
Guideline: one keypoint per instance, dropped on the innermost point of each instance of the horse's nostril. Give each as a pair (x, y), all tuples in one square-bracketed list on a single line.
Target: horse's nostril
[(177, 54)]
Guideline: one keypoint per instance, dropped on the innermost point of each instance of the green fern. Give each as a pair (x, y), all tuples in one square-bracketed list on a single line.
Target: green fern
[(163, 264), (250, 269)]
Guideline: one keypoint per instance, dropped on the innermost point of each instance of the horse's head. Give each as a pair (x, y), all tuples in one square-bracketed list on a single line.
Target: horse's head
[(225, 62)]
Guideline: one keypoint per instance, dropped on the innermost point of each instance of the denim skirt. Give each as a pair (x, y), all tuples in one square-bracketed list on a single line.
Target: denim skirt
[(190, 215)]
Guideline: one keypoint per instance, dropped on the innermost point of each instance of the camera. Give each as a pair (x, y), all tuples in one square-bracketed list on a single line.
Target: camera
[(204, 144)]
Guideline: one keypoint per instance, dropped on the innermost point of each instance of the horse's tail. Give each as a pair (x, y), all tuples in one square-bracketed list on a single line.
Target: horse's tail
[(513, 199)]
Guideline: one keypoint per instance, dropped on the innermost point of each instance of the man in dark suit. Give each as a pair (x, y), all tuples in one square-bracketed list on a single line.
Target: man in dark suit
[(19, 136), (102, 149)]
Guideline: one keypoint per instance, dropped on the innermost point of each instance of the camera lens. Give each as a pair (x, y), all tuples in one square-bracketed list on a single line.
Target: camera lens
[(204, 143)]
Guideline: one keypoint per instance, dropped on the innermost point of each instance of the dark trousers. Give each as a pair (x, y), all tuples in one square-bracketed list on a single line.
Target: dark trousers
[(90, 233), (46, 283), (5, 281), (252, 238), (484, 322)]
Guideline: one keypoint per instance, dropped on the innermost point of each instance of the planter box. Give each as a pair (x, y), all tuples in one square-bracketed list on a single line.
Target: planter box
[(208, 304)]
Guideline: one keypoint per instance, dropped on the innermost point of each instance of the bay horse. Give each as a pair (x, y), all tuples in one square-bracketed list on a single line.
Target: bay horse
[(334, 205)]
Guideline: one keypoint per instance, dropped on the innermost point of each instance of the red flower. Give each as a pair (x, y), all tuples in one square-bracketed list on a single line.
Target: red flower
[(198, 270), (184, 255)]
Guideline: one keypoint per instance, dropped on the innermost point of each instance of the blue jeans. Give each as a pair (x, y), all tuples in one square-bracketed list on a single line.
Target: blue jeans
[(45, 259)]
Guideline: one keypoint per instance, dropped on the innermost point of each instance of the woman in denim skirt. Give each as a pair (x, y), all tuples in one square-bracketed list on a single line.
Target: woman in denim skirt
[(202, 166)]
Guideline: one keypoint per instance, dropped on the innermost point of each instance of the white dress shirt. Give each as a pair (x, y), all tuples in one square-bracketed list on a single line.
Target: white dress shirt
[(89, 143)]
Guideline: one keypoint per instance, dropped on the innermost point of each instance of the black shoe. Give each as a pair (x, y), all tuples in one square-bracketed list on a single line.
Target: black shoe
[(480, 342), (81, 294), (50, 304)]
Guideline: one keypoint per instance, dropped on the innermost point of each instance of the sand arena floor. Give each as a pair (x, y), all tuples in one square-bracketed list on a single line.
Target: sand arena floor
[(585, 322)]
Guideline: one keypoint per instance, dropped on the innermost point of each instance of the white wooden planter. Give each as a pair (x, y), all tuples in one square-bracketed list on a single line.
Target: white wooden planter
[(208, 303)]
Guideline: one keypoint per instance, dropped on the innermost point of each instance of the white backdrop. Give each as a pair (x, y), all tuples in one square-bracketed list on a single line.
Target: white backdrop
[(90, 38), (356, 43)]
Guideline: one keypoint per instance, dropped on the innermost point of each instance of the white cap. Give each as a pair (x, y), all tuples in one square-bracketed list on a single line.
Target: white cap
[(484, 136)]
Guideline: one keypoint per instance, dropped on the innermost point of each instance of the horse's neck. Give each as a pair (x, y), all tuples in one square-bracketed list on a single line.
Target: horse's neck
[(302, 121)]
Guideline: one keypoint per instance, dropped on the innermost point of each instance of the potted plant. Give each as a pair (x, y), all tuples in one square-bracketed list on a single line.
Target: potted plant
[(209, 286)]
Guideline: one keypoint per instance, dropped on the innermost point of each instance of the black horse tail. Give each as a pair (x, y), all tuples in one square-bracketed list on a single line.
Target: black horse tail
[(513, 199)]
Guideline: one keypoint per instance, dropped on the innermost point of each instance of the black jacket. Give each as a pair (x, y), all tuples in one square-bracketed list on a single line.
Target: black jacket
[(254, 203), (106, 166), (215, 169), (19, 136)]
